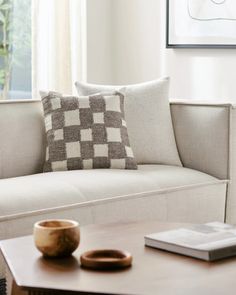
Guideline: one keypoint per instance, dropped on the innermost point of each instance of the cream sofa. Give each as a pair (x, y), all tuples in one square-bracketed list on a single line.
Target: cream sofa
[(204, 189)]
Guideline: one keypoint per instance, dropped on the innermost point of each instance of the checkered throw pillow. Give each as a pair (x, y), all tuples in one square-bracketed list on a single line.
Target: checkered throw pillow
[(86, 132)]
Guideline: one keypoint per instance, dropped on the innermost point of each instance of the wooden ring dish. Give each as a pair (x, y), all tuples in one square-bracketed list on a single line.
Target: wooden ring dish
[(106, 259)]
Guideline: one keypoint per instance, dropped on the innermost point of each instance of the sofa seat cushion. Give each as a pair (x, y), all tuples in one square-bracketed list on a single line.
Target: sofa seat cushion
[(43, 193)]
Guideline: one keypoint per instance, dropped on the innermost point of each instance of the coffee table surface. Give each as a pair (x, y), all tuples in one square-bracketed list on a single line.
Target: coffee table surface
[(153, 271)]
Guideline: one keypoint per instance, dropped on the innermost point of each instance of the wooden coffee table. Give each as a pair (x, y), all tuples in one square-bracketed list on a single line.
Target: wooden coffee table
[(153, 271)]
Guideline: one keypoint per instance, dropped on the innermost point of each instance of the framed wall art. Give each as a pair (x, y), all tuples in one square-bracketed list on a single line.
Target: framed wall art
[(201, 23)]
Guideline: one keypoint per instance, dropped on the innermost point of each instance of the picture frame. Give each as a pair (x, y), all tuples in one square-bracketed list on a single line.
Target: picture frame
[(200, 24)]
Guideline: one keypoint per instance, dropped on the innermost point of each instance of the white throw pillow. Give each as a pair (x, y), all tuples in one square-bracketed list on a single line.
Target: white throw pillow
[(148, 118)]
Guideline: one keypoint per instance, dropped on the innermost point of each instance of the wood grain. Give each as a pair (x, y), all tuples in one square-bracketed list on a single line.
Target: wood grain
[(106, 259), (152, 272)]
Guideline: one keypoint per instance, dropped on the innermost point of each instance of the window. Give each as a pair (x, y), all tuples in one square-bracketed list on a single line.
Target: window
[(15, 49)]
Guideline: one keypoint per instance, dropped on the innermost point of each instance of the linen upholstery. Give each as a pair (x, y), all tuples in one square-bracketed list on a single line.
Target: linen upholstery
[(86, 132), (22, 134), (205, 149), (148, 119), (22, 138), (206, 140), (22, 152), (165, 193), (51, 191), (231, 192)]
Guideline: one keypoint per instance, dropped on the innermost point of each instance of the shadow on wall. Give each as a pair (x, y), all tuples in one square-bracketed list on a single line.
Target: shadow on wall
[(207, 74)]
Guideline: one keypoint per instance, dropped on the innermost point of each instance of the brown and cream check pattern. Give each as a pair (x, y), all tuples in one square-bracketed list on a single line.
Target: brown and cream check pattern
[(86, 132)]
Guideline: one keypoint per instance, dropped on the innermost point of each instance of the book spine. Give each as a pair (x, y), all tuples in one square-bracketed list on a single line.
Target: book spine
[(222, 253)]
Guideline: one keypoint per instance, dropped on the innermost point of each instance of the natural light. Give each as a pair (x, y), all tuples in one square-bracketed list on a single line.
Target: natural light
[(15, 49)]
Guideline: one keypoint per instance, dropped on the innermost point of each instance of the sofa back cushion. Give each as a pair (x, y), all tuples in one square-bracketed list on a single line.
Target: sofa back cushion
[(22, 138), (148, 118)]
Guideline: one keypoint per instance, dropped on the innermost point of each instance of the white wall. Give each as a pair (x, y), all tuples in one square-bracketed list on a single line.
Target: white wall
[(99, 42), (136, 40), (123, 41), (202, 73), (127, 45), (205, 74)]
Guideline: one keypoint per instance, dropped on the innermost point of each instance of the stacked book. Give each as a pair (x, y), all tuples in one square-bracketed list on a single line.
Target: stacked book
[(210, 241)]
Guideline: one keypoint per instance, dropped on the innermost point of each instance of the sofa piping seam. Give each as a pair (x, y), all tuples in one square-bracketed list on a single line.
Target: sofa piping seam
[(110, 199)]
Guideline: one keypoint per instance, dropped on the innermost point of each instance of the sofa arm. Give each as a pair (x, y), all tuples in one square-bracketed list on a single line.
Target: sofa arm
[(206, 140)]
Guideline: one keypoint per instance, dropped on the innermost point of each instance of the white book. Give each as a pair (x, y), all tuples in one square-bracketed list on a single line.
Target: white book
[(210, 241)]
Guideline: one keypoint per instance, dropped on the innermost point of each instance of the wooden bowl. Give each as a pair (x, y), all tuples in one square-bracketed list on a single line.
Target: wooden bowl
[(56, 237), (106, 259)]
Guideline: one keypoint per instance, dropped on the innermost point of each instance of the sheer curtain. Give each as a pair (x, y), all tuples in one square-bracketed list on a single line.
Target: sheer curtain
[(58, 45)]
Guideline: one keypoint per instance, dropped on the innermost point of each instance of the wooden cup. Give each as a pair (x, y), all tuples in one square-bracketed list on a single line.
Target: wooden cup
[(56, 237)]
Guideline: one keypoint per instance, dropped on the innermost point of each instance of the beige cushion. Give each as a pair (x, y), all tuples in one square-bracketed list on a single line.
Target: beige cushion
[(165, 193), (148, 119), (56, 190)]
